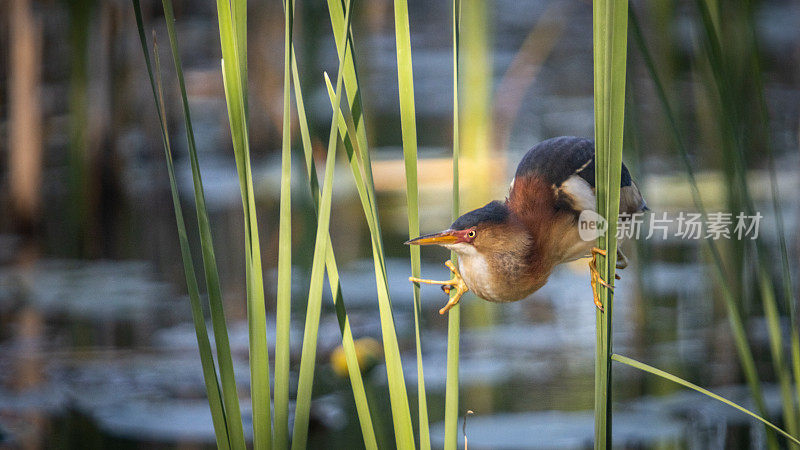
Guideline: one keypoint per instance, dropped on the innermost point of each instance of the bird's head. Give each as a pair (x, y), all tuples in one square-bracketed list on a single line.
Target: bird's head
[(483, 231)]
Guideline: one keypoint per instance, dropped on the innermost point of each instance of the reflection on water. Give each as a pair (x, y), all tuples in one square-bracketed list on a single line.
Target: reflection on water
[(105, 343), (102, 353), (565, 430)]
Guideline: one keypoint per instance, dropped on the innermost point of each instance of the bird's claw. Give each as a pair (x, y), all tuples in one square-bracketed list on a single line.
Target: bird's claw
[(597, 279), (456, 283)]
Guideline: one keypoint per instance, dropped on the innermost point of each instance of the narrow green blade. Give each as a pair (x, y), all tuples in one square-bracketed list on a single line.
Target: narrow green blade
[(347, 129), (610, 25), (401, 414), (284, 288), (734, 314), (772, 316), (232, 30), (454, 315), (213, 285), (784, 372), (682, 382), (724, 61), (408, 117), (201, 332), (354, 103), (309, 352), (354, 372)]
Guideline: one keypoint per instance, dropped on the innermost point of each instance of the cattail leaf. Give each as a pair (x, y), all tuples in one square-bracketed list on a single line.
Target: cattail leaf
[(610, 27), (668, 376), (401, 414), (408, 125), (232, 22), (454, 315), (228, 434), (313, 310)]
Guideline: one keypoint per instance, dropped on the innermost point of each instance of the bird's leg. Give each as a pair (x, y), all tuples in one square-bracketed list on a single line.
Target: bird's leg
[(622, 260), (456, 282), (596, 278)]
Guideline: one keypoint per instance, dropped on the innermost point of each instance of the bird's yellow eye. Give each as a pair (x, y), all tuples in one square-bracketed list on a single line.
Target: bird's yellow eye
[(471, 234)]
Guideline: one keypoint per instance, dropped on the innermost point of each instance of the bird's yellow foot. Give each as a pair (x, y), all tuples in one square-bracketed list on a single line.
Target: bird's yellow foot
[(456, 282), (596, 278)]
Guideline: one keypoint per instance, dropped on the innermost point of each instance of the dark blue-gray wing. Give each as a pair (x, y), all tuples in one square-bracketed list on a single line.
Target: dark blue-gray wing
[(559, 160)]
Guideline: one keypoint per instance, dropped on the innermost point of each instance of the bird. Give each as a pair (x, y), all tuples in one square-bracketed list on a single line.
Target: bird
[(507, 249)]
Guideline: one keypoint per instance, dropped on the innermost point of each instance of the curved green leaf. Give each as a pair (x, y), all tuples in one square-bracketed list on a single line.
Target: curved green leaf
[(668, 376)]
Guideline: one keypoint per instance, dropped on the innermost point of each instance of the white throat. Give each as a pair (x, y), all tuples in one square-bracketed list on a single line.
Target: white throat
[(474, 269)]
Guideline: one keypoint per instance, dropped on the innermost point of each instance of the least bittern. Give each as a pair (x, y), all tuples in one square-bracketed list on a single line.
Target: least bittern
[(507, 250)]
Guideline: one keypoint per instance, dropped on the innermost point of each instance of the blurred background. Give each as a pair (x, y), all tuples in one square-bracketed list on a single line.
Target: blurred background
[(97, 347)]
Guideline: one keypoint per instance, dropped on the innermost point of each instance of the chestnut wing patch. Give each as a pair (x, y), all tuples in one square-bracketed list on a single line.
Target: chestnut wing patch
[(567, 164)]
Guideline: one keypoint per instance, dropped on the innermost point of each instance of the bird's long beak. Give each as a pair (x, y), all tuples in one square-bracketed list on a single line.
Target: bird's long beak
[(440, 238)]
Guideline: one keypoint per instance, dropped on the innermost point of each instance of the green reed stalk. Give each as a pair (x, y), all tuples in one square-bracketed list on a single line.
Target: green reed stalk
[(477, 133), (408, 117), (788, 289), (309, 352), (283, 308), (219, 418), (354, 104), (354, 372), (213, 284), (347, 129), (403, 427), (232, 18), (610, 19), (218, 414), (401, 415), (81, 209), (773, 319), (668, 376), (454, 315), (732, 100), (734, 315)]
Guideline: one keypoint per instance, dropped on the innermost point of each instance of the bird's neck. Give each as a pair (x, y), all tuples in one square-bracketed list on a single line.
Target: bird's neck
[(532, 205)]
